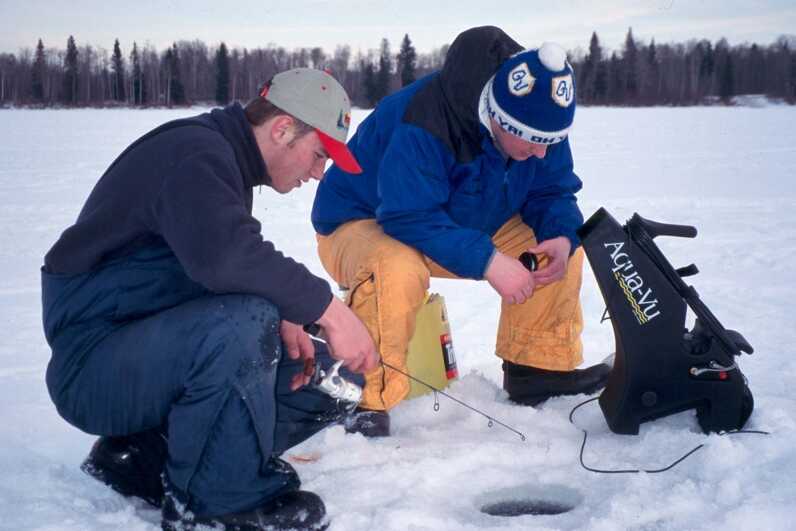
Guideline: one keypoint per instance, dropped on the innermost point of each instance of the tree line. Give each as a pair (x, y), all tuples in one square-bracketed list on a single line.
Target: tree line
[(191, 72), (695, 72), (691, 73)]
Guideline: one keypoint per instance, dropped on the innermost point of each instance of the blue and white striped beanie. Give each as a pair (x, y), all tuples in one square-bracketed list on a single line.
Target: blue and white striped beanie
[(532, 95)]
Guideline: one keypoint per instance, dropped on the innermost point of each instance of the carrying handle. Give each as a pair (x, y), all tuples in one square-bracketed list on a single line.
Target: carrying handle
[(740, 341), (687, 271), (655, 228)]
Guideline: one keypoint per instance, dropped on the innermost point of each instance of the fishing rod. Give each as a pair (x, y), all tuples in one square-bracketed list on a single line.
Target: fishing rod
[(348, 393), (492, 420)]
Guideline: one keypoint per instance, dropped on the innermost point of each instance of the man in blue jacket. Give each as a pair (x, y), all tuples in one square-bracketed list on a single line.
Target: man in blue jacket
[(463, 171), (168, 314)]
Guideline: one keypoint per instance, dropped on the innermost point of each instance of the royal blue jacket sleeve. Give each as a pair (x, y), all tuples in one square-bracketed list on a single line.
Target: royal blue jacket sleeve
[(413, 187), (551, 208)]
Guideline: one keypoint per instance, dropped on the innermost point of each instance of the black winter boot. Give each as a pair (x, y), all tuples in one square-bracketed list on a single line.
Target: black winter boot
[(368, 422), (530, 386), (131, 465), (291, 510)]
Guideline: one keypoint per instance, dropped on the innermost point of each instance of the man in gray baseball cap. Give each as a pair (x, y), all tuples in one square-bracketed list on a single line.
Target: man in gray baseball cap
[(318, 100), (177, 330)]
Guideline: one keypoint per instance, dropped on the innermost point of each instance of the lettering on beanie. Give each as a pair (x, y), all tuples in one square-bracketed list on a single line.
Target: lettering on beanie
[(513, 126), (520, 80), (563, 90)]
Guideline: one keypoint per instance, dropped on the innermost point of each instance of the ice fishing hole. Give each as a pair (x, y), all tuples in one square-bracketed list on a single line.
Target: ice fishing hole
[(535, 500), (522, 507)]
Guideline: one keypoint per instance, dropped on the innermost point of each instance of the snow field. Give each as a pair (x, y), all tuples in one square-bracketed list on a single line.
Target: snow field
[(728, 171)]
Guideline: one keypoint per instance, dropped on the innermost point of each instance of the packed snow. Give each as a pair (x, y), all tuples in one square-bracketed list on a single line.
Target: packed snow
[(731, 172)]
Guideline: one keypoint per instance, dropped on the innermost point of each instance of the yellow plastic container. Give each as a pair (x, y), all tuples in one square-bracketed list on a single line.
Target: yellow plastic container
[(431, 357)]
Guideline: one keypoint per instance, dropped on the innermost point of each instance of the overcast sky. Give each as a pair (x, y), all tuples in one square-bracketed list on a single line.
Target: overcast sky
[(363, 23)]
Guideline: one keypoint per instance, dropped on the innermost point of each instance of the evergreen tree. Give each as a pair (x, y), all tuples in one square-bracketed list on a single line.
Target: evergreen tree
[(706, 68), (301, 59), (407, 61), (246, 74), (318, 57), (37, 78), (177, 88), (88, 58), (69, 95), (222, 75), (585, 74), (594, 82), (138, 86), (791, 77), (168, 62), (630, 60), (686, 94), (726, 79), (600, 83), (652, 74), (595, 50), (175, 92), (757, 70), (616, 85), (369, 82), (117, 73), (342, 55), (8, 67), (384, 74)]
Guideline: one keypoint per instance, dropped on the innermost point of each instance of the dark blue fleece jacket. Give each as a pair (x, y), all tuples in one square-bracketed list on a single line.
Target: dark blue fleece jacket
[(188, 185)]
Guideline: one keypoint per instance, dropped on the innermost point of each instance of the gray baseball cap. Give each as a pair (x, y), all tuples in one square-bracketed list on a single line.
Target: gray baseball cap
[(317, 99)]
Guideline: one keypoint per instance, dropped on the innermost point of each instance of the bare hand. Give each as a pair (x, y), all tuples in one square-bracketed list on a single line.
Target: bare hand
[(511, 280), (299, 346), (557, 252), (348, 339)]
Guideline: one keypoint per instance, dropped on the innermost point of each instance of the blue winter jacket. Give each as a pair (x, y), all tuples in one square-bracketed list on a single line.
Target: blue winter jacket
[(433, 177)]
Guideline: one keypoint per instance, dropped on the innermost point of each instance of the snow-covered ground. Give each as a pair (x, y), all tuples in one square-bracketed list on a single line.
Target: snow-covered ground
[(729, 171)]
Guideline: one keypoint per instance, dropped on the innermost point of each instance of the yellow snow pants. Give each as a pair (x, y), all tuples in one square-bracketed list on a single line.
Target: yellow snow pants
[(387, 281)]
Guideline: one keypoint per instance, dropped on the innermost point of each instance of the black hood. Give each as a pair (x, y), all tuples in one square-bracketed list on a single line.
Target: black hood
[(447, 106)]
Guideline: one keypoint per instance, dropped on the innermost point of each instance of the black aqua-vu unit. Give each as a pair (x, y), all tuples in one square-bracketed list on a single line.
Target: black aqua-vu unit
[(660, 366)]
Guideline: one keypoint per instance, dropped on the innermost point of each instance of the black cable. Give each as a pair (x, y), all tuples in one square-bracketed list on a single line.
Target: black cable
[(581, 404), (636, 471)]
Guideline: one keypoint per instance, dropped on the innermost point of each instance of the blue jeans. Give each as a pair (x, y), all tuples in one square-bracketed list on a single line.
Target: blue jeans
[(208, 367)]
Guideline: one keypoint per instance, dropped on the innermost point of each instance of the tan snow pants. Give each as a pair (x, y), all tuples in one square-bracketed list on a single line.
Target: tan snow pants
[(388, 280)]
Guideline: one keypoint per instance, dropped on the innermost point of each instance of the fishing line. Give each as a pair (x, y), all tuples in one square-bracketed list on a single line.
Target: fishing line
[(491, 419)]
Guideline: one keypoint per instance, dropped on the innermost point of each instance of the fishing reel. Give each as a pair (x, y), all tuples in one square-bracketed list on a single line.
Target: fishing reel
[(347, 393)]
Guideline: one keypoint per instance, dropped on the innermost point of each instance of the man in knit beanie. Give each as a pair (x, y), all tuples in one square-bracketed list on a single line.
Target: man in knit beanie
[(463, 171)]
